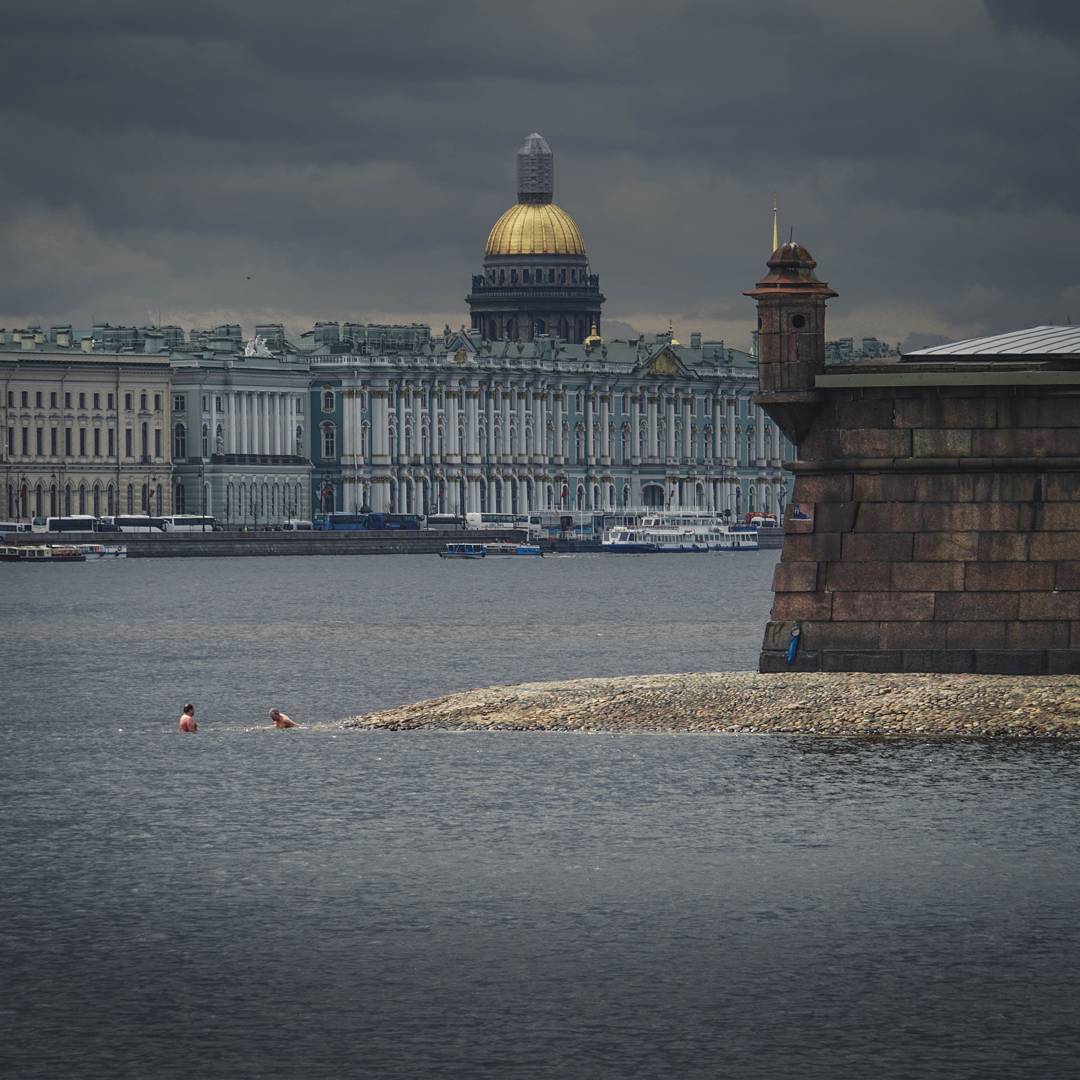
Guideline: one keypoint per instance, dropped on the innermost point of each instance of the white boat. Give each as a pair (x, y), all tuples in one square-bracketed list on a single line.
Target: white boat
[(654, 534), (41, 553), (103, 551)]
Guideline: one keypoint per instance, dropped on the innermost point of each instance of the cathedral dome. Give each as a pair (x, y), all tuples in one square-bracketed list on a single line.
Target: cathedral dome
[(535, 228)]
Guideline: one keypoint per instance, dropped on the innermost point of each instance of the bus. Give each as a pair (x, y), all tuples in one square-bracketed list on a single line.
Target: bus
[(68, 523), (339, 520), (134, 523), (494, 521), (14, 527), (190, 523)]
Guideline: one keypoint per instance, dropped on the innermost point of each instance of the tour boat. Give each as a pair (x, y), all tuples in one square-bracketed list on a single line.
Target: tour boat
[(464, 551), (42, 553), (510, 548), (650, 537), (103, 551)]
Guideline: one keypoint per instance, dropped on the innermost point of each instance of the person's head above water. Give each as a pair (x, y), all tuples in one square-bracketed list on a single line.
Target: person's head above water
[(189, 709), (275, 713)]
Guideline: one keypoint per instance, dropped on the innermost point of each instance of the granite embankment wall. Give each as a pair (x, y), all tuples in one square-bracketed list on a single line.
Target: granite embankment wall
[(222, 544), (943, 531)]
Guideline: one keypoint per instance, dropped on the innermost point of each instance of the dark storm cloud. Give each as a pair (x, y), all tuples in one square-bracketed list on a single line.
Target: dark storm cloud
[(350, 158)]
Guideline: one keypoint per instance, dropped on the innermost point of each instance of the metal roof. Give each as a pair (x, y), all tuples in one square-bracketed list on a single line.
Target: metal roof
[(1035, 341)]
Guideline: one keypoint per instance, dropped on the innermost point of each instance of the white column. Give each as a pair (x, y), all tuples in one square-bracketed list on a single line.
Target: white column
[(402, 404), (731, 452), (775, 453), (652, 448), (759, 437), (605, 421), (669, 412), (635, 429), (242, 402), (264, 404), (489, 414), (556, 424), (506, 449), (718, 419), (590, 450), (688, 426), (472, 424), (230, 422), (522, 445), (211, 444), (290, 443)]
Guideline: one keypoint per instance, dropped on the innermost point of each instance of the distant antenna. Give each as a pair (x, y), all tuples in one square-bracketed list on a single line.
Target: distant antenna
[(775, 225)]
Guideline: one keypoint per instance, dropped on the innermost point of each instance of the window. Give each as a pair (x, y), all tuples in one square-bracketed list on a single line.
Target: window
[(52, 441), (111, 404), (130, 496), (328, 401), (127, 401), (82, 400), (180, 441), (11, 442), (67, 441), (25, 442), (97, 442), (112, 443), (127, 443), (205, 440), (97, 401), (11, 399), (82, 442), (38, 399), (39, 441), (329, 441), (52, 399), (157, 442), (67, 399), (142, 401), (217, 403), (157, 403), (26, 399)]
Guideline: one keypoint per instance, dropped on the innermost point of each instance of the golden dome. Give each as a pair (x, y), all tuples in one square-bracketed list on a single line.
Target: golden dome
[(535, 229)]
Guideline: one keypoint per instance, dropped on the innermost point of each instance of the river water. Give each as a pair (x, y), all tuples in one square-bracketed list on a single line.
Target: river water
[(320, 903)]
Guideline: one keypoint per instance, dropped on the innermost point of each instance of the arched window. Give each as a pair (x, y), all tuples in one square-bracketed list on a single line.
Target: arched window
[(328, 401), (145, 453), (179, 501), (131, 498), (206, 440), (82, 499), (54, 500), (329, 441), (39, 500), (96, 503), (299, 440), (180, 441), (493, 331), (579, 443), (526, 277), (580, 497), (110, 500), (219, 440)]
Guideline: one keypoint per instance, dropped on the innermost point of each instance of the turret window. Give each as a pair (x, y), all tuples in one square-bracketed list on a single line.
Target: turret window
[(798, 321)]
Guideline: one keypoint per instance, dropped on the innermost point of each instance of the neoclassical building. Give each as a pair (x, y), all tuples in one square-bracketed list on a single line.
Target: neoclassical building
[(82, 431), (470, 424), (535, 280)]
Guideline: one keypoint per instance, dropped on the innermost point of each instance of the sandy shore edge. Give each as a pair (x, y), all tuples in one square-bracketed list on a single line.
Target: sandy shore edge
[(748, 703)]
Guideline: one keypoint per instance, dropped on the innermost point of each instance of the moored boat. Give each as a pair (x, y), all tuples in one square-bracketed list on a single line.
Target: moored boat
[(463, 551), (33, 553), (653, 535), (103, 551), (510, 548)]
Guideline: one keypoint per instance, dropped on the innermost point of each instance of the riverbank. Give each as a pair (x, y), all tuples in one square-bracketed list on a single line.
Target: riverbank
[(748, 703)]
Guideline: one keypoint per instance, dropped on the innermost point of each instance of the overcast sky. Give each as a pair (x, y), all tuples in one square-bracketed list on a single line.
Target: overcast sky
[(272, 161)]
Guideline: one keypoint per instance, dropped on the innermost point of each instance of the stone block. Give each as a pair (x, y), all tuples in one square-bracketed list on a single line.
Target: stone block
[(967, 517), (883, 487), (854, 660), (777, 661), (1003, 547), (1074, 634), (874, 547), (1055, 546), (882, 606), (1067, 576), (835, 517), (944, 487), (976, 606), (777, 634), (1063, 662), (911, 635), (799, 606), (798, 577), (974, 635), (797, 525), (1037, 411), (1027, 442), (1062, 487), (1037, 635), (946, 546), (1049, 605), (1055, 516), (823, 487), (860, 411), (941, 443), (865, 442), (1008, 487), (842, 635), (813, 547), (1010, 662), (857, 576), (935, 576), (1008, 576), (888, 517), (939, 660), (923, 411)]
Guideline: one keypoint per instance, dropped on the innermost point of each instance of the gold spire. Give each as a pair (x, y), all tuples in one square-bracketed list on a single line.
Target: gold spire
[(775, 226), (594, 338), (671, 334)]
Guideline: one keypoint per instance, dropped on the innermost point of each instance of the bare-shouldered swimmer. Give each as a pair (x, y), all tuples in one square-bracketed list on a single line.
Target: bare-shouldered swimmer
[(281, 720), (187, 720)]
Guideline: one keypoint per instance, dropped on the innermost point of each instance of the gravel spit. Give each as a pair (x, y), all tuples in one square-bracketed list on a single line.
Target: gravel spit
[(748, 703)]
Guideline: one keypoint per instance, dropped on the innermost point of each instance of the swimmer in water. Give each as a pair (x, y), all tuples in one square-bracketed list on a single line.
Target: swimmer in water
[(187, 719), (281, 720)]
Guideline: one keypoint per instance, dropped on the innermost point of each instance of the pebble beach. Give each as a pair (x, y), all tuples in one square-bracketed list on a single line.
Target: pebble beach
[(841, 705)]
